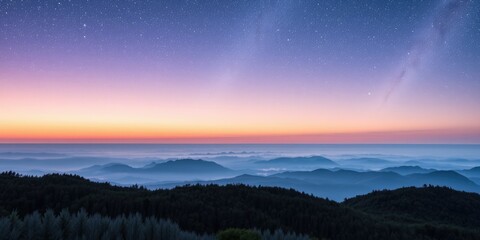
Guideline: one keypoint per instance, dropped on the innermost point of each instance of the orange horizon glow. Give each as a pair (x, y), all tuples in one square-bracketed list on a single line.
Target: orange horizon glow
[(80, 79), (104, 106), (76, 114), (454, 136)]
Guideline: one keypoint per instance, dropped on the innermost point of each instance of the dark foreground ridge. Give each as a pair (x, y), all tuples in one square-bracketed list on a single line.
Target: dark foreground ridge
[(439, 205), (432, 212)]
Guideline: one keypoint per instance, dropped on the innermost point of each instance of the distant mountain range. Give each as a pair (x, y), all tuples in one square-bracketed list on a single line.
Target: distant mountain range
[(383, 180), (363, 163), (181, 166), (366, 163), (406, 170), (341, 184), (335, 184), (298, 162), (315, 175), (52, 163), (473, 172), (332, 191)]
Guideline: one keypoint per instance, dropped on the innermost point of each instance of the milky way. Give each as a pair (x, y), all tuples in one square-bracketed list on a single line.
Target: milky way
[(446, 15), (296, 70)]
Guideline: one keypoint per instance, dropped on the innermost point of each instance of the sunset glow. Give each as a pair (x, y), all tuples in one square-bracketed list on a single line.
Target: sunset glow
[(271, 76)]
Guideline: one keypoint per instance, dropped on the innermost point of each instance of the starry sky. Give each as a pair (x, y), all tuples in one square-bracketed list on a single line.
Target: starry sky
[(330, 71)]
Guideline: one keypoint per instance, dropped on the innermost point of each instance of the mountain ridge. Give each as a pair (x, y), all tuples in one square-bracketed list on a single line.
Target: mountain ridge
[(171, 166), (211, 208)]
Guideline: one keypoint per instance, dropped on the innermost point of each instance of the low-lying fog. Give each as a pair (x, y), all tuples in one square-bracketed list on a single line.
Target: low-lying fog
[(333, 171)]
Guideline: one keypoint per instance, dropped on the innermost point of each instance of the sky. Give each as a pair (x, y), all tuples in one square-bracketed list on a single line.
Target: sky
[(327, 71)]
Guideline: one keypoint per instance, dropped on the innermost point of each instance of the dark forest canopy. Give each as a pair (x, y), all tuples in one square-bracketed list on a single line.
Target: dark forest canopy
[(210, 209), (80, 225)]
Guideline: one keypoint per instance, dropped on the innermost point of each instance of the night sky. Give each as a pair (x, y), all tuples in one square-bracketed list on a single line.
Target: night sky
[(240, 71)]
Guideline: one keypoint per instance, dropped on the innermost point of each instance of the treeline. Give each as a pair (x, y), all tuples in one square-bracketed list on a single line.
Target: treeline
[(80, 225), (212, 209), (197, 208), (440, 205), (83, 226)]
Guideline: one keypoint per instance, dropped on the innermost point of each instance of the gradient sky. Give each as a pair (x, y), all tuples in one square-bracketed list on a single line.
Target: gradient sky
[(325, 71)]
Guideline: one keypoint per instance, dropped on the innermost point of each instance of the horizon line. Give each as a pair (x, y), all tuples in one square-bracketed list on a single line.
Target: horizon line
[(219, 143)]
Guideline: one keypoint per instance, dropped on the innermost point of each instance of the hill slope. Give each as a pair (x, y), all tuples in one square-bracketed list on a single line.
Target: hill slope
[(212, 208), (169, 167), (366, 182), (299, 162), (428, 204), (406, 170), (187, 166)]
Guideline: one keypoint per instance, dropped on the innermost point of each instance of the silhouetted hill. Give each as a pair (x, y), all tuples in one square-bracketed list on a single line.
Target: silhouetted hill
[(172, 170), (363, 181), (212, 208), (443, 164), (109, 167), (344, 177), (366, 163), (475, 180), (406, 170), (475, 169), (473, 172), (339, 184), (150, 165), (171, 167), (187, 166), (198, 208), (444, 178), (427, 204), (299, 162), (332, 191)]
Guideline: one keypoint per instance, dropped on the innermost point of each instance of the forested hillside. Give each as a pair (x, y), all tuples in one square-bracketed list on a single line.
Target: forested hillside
[(83, 226), (211, 209), (132, 227), (428, 204)]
